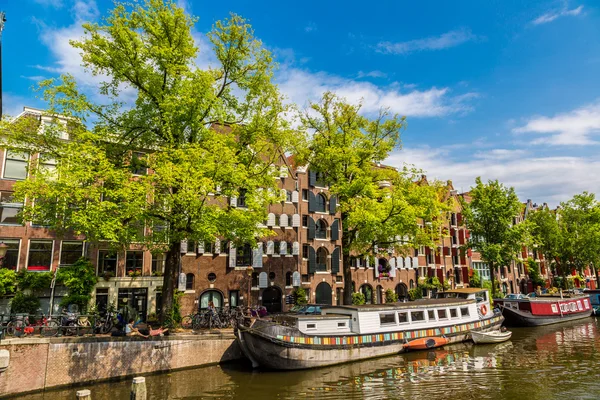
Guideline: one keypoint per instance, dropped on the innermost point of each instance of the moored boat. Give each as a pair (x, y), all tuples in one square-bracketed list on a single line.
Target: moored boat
[(350, 333), (594, 299), (544, 310), (426, 343), (490, 337)]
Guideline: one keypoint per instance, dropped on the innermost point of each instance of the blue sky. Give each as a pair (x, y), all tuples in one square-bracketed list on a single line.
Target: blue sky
[(505, 90)]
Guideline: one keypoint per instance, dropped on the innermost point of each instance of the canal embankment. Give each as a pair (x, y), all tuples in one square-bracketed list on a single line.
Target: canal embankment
[(36, 364)]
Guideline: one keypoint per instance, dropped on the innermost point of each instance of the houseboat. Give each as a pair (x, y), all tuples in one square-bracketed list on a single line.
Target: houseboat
[(594, 299), (350, 333), (544, 309)]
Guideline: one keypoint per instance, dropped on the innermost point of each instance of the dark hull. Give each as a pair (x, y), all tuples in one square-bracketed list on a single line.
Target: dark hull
[(519, 319), (263, 346)]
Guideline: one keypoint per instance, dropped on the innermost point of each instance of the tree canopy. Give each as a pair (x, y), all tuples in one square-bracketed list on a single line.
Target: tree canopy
[(165, 166), (380, 206), (490, 215)]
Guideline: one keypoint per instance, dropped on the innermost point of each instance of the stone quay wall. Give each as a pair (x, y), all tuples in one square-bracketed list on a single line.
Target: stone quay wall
[(40, 363)]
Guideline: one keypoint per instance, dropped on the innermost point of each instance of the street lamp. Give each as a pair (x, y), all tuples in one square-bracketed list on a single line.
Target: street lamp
[(249, 271), (3, 250)]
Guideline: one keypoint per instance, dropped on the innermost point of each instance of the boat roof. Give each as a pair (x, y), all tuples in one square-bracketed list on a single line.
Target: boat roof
[(400, 305), (464, 290)]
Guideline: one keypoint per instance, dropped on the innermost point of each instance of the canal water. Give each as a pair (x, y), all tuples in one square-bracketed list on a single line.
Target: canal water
[(553, 362)]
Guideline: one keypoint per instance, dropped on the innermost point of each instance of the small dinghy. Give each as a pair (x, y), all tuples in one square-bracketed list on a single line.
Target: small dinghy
[(426, 343), (490, 337)]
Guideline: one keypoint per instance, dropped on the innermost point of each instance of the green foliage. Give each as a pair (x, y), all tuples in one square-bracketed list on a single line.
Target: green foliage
[(380, 206), (8, 281), (80, 280), (489, 216), (24, 303), (390, 296), (533, 270), (415, 293), (475, 279), (200, 127), (33, 280), (358, 298), (173, 315), (300, 295)]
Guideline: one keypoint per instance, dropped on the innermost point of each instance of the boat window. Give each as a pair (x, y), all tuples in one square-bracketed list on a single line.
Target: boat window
[(387, 319), (453, 313), (402, 317), (311, 326), (417, 316), (464, 311), (442, 314), (341, 324), (431, 315)]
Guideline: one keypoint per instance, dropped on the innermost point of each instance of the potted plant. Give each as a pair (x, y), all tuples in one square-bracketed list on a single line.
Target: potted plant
[(107, 275), (157, 273), (384, 271), (134, 274)]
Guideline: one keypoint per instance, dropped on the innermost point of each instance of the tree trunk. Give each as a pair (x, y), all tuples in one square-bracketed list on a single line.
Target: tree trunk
[(347, 270), (170, 279), (493, 279)]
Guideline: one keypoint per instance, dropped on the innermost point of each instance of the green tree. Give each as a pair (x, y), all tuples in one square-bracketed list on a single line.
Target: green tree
[(390, 296), (8, 281), (79, 279), (569, 237), (475, 279), (489, 217), (208, 136), (533, 270), (380, 206)]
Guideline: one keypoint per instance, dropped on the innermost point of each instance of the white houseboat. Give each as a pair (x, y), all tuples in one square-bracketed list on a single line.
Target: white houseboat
[(349, 333)]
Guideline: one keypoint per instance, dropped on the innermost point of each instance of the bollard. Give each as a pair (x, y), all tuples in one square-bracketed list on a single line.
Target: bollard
[(138, 388), (84, 394)]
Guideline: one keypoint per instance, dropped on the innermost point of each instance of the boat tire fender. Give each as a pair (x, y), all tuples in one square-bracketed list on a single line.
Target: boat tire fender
[(483, 309)]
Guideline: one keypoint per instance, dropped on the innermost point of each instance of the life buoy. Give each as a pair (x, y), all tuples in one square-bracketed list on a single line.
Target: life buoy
[(483, 309)]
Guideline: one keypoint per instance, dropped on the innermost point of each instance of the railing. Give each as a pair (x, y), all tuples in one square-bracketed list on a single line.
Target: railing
[(22, 324)]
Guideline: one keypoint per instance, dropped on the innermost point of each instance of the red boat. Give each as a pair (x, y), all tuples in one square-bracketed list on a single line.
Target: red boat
[(544, 310)]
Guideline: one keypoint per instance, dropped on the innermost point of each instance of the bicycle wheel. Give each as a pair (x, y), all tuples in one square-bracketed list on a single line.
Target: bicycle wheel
[(187, 322), (70, 329), (50, 328), (106, 326), (16, 328)]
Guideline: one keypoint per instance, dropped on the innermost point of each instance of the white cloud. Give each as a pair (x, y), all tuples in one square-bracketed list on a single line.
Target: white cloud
[(571, 128), (444, 41), (12, 105), (553, 15), (302, 86), (540, 178), (35, 78), (371, 74)]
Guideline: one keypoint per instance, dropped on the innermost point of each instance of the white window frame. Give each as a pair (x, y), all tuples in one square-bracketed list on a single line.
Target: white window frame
[(60, 263), (5, 159), (29, 246)]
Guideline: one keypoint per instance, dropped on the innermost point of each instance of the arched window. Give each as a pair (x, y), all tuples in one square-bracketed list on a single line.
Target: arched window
[(367, 291), (255, 279), (189, 282), (288, 196), (322, 259), (320, 203), (288, 279), (211, 295), (412, 284), (321, 229)]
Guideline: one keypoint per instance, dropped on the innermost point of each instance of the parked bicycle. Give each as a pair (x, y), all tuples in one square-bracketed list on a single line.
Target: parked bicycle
[(21, 326)]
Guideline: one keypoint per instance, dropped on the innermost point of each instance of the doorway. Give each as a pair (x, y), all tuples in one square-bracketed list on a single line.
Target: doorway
[(323, 295), (271, 299)]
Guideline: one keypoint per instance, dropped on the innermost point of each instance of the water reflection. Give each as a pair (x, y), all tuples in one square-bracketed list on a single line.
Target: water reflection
[(538, 363)]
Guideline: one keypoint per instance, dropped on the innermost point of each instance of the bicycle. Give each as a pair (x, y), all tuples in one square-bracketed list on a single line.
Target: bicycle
[(22, 327)]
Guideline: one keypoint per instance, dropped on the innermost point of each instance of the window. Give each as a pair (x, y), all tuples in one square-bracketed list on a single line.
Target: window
[(387, 319), (412, 284), (56, 128), (321, 229), (305, 278), (70, 252), (421, 250), (431, 315), (9, 209), (402, 317), (158, 264), (212, 277), (139, 164), (40, 255), (288, 196), (322, 259), (442, 314), (483, 269), (11, 259), (191, 247), (417, 316), (241, 199), (255, 279), (304, 250), (341, 324), (47, 165), (464, 311), (320, 179), (304, 221), (320, 203), (339, 279), (134, 261), (305, 194), (453, 313), (311, 326), (107, 263), (455, 260), (430, 256), (288, 279), (189, 282), (234, 298), (243, 256), (276, 248), (15, 166), (224, 246), (208, 247)]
